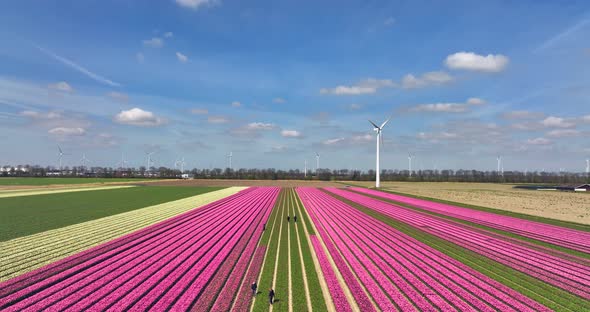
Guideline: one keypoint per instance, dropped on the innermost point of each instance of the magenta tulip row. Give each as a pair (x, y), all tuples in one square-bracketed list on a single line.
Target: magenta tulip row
[(244, 298), (336, 292), (563, 273), (402, 273), (570, 238), (160, 267)]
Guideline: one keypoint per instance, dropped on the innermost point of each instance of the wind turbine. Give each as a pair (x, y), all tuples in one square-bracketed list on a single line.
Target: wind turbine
[(181, 163), (305, 170), (588, 167), (121, 162), (410, 164), (229, 156), (149, 160), (317, 162), (60, 156), (84, 160), (377, 130), (499, 160)]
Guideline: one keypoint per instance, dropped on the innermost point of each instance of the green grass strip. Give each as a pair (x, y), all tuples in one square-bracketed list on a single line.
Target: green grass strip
[(548, 295), (484, 227), (54, 181), (297, 285), (272, 241), (313, 282), (282, 279), (22, 216)]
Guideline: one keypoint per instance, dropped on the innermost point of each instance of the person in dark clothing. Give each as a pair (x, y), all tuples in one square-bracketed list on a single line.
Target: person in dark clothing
[(254, 287), (264, 226), (288, 218), (271, 296), (295, 219)]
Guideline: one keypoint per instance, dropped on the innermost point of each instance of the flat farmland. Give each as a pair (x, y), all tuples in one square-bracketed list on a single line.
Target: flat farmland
[(565, 206), (26, 215), (62, 181), (226, 183)]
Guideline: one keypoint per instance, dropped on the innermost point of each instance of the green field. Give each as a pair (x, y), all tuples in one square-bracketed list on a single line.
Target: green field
[(21, 216), (54, 181)]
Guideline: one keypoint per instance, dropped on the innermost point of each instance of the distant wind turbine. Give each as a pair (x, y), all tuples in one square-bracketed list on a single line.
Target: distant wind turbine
[(587, 167), (410, 164), (84, 160), (122, 162), (60, 156), (378, 130), (150, 162), (230, 156), (305, 170), (180, 163), (499, 160), (317, 162)]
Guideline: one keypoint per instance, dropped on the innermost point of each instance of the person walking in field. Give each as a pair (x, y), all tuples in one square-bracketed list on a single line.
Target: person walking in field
[(264, 226), (295, 218), (254, 287), (271, 296), (288, 218)]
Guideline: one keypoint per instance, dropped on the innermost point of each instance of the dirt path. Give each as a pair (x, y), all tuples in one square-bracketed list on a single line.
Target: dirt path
[(305, 285)]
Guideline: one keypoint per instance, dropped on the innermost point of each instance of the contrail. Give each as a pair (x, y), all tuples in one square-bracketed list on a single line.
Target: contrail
[(562, 35), (79, 68)]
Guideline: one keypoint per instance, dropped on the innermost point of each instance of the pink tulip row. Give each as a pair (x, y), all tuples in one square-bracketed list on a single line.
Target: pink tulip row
[(104, 251), (166, 267), (360, 297), (336, 292), (563, 273), (424, 279), (239, 263), (565, 237), (244, 298)]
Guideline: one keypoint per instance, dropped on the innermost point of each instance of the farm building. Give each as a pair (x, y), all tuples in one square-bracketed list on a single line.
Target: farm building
[(571, 188)]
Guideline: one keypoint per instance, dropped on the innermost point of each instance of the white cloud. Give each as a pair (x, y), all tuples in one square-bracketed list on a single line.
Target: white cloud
[(475, 101), (348, 90), (118, 96), (586, 118), (39, 115), (354, 106), (291, 133), (236, 104), (278, 100), (333, 141), (168, 35), (260, 126), (561, 133), (444, 135), (557, 122), (538, 141), (522, 114), (181, 57), (140, 57), (64, 131), (138, 117), (366, 86), (448, 107), (361, 138), (61, 86), (199, 111), (154, 42), (427, 79), (79, 68), (471, 61), (195, 4), (389, 21), (217, 119)]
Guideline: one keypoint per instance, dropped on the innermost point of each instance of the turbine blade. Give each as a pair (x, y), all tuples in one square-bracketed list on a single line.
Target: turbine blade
[(374, 125), (385, 122)]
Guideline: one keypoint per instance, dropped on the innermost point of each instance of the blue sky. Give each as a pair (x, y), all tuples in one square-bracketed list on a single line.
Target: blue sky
[(274, 82)]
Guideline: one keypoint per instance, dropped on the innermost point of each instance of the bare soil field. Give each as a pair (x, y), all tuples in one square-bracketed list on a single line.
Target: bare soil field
[(281, 183), (565, 206)]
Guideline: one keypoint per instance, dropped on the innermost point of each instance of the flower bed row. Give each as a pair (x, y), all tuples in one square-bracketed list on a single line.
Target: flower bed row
[(568, 275), (426, 279), (569, 238), (161, 267), (25, 254), (244, 298)]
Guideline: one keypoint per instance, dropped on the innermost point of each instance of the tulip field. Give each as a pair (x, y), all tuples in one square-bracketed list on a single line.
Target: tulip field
[(319, 249)]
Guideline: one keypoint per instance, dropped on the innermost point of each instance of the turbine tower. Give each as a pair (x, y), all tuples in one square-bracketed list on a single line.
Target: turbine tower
[(410, 164), (121, 162), (181, 163), (149, 160), (229, 156), (317, 162), (588, 167), (499, 160), (84, 160), (378, 130), (60, 155), (305, 170)]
